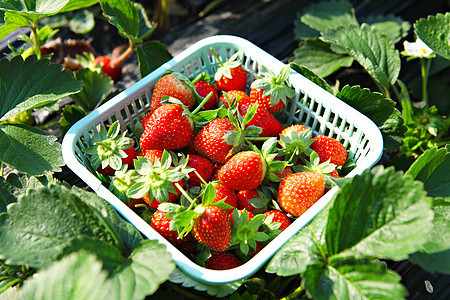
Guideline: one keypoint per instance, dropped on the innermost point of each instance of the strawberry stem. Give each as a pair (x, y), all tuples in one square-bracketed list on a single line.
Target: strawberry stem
[(257, 138), (180, 188), (199, 176), (217, 57), (199, 107), (123, 56)]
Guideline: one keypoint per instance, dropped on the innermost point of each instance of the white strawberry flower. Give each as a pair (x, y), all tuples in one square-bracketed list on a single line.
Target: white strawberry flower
[(417, 49)]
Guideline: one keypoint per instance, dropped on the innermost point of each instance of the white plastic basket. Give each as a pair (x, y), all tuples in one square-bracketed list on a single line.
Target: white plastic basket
[(314, 107)]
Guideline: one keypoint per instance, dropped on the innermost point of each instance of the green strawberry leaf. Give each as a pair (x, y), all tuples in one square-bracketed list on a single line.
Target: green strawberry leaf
[(149, 265), (96, 86), (372, 50), (70, 115), (146, 27), (325, 15), (395, 28), (217, 291), (127, 233), (346, 278), (31, 83), (6, 194), (435, 254), (79, 272), (435, 32), (376, 214), (391, 26), (24, 241), (129, 17), (33, 9), (78, 4), (319, 58), (380, 110), (85, 276), (432, 169), (303, 249), (306, 72), (21, 144), (12, 21), (151, 55), (380, 192), (122, 14)]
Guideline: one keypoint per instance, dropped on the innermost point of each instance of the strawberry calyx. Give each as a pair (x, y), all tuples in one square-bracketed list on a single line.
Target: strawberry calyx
[(244, 134), (197, 117), (157, 179), (314, 165), (107, 147), (295, 144), (183, 217), (245, 230), (225, 67), (121, 182), (270, 153), (275, 86)]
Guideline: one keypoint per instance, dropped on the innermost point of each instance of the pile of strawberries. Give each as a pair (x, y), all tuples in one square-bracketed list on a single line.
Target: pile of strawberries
[(216, 173)]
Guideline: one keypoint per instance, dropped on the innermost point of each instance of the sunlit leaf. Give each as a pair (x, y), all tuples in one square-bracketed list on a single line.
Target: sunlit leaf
[(21, 144), (375, 52), (435, 32)]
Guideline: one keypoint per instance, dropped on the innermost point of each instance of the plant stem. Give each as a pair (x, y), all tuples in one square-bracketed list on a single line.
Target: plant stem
[(36, 46), (123, 56), (294, 294), (424, 70), (217, 56), (257, 138), (199, 107), (182, 191)]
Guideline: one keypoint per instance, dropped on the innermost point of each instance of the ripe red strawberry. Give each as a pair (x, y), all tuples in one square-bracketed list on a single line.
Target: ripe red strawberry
[(113, 71), (299, 191), (294, 127), (243, 197), (131, 155), (257, 95), (167, 128), (203, 166), (223, 192), (187, 245), (145, 119), (232, 95), (244, 171), (271, 127), (161, 224), (210, 142), (172, 197), (276, 216), (203, 88), (230, 75), (175, 85), (272, 91), (212, 228), (152, 154), (222, 261), (331, 149)]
